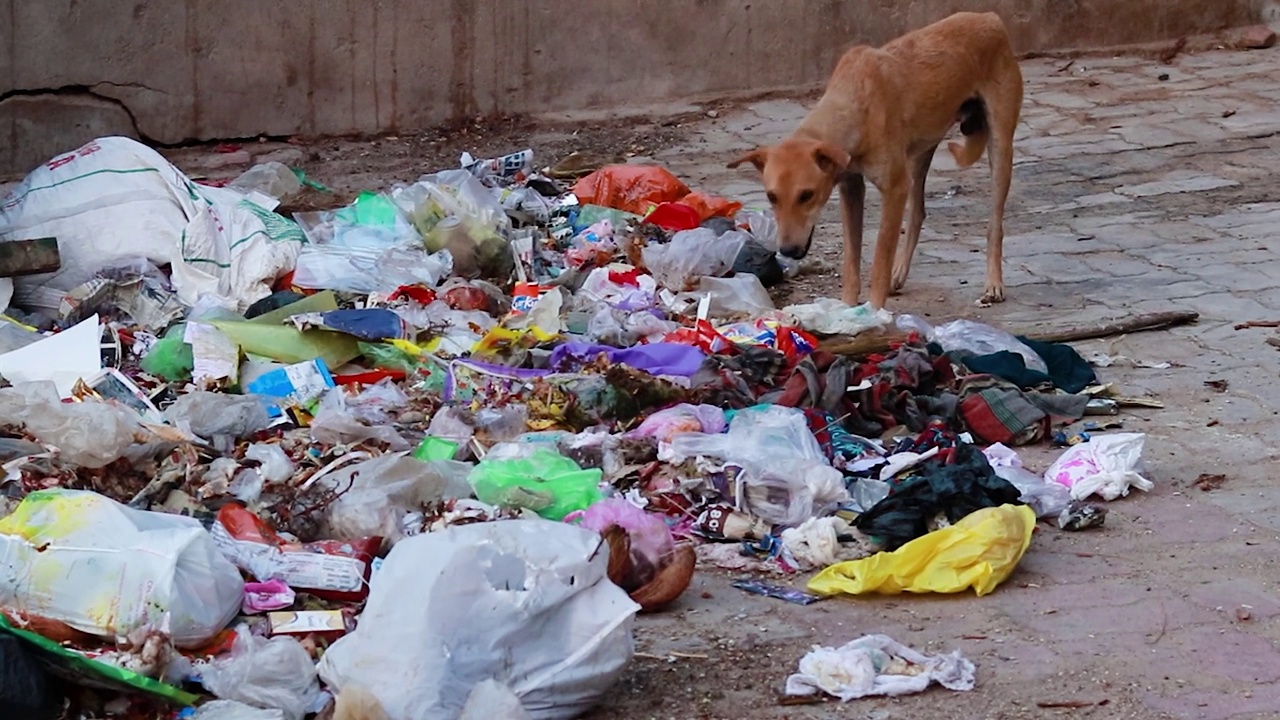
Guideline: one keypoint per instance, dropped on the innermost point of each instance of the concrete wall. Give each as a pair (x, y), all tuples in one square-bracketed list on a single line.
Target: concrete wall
[(177, 70)]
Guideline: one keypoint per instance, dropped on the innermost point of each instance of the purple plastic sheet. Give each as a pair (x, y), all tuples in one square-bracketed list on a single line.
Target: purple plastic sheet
[(655, 359)]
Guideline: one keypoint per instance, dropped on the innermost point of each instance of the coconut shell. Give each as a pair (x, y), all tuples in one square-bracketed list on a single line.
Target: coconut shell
[(671, 581), (619, 555)]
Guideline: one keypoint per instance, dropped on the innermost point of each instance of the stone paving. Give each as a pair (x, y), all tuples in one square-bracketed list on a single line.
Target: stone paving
[(1139, 187)]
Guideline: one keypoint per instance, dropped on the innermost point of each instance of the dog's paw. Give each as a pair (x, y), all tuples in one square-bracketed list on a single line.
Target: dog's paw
[(899, 280), (994, 294), (850, 298)]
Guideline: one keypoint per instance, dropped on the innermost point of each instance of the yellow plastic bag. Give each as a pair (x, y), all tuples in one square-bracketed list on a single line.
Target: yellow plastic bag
[(980, 551)]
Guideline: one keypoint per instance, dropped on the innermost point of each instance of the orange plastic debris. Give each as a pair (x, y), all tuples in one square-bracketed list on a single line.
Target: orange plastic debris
[(631, 188), (709, 206)]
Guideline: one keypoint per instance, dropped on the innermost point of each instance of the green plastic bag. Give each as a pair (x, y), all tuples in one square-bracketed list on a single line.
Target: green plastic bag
[(546, 482), (170, 359), (434, 448)]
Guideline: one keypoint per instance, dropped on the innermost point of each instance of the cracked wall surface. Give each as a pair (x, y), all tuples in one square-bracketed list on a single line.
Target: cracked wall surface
[(185, 70)]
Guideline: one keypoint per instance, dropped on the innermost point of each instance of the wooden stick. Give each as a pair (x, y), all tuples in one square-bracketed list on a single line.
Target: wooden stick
[(879, 341), (1258, 324)]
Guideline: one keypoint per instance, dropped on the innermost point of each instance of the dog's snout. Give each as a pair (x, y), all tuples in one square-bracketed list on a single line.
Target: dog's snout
[(795, 253)]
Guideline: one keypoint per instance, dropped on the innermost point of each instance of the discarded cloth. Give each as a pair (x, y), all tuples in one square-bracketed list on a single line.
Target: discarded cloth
[(1068, 371), (996, 411), (979, 552), (877, 665), (957, 482), (655, 358)]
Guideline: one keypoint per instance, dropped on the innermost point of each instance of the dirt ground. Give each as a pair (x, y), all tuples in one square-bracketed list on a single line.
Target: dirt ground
[(1139, 187)]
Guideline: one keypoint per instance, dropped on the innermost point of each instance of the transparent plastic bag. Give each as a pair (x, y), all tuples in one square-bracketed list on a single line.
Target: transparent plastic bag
[(692, 254), (828, 316), (211, 414), (346, 421), (622, 329), (375, 495), (867, 492), (1048, 499), (273, 179), (272, 674), (735, 296), (454, 211), (786, 478), (972, 336), (345, 247), (671, 422), (90, 434)]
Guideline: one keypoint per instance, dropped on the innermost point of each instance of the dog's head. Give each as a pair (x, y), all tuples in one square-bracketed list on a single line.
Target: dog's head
[(798, 176)]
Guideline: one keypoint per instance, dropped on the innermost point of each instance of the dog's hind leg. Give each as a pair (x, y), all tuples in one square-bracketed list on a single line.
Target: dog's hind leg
[(915, 218), (1003, 99), (853, 192)]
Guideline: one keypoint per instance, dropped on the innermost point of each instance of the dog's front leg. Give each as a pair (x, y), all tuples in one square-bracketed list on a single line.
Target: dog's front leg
[(894, 189), (853, 192)]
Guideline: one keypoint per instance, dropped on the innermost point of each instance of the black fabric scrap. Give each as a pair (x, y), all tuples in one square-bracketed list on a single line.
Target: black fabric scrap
[(956, 484)]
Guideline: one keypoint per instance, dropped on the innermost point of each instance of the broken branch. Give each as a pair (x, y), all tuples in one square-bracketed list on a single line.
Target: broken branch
[(878, 342)]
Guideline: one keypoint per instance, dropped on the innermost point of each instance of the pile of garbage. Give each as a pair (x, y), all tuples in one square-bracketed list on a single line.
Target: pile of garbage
[(467, 428)]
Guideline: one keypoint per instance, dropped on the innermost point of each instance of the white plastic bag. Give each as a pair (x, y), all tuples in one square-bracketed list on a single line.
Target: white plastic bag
[(275, 674), (107, 569), (973, 336), (828, 316), (691, 254), (491, 700), (865, 667), (527, 603), (1107, 465), (116, 199)]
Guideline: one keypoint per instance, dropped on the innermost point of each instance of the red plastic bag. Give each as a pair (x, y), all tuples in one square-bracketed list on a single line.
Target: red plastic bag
[(709, 206), (674, 216), (328, 569), (630, 188)]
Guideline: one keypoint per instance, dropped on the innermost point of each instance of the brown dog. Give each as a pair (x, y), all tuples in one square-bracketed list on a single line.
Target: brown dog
[(884, 113)]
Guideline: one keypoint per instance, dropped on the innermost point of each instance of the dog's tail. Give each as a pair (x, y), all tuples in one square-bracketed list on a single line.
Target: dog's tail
[(973, 125)]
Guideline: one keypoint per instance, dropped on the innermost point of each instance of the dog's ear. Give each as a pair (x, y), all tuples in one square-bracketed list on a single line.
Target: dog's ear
[(755, 157), (831, 159)]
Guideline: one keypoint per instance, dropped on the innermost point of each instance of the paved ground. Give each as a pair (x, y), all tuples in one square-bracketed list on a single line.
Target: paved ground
[(1132, 194), (1139, 187)]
